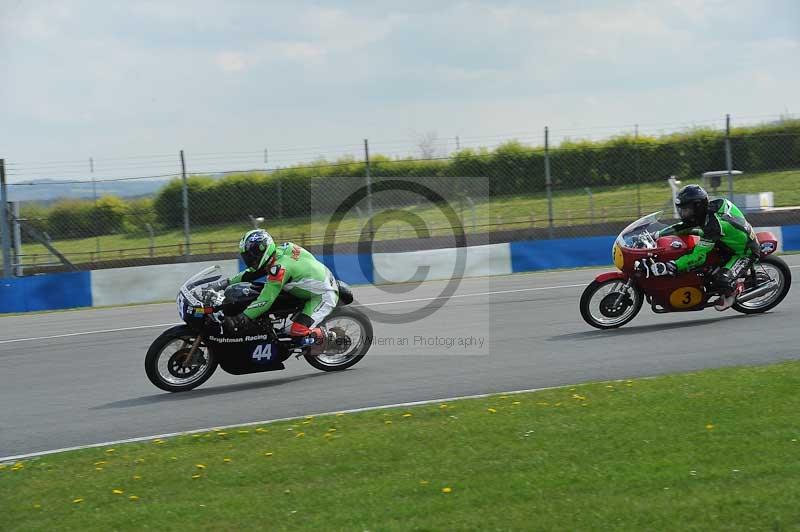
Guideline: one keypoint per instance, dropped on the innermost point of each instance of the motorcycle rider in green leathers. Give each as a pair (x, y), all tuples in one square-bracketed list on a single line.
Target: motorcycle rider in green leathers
[(719, 224), (290, 268)]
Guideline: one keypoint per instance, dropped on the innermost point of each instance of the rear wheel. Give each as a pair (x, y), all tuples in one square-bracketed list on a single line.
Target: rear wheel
[(353, 339), (169, 365), (768, 269), (608, 304)]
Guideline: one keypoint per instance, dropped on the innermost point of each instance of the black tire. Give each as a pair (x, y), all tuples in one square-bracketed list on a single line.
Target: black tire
[(786, 273), (590, 291), (365, 342), (154, 353)]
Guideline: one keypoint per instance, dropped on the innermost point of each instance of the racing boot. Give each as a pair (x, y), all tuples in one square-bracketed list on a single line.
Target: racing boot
[(726, 301), (317, 338)]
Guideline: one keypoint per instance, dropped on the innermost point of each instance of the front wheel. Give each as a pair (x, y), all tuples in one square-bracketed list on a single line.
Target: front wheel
[(353, 339), (768, 269), (170, 366), (609, 304)]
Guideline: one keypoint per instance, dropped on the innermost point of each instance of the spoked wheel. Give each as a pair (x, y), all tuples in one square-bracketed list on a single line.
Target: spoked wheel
[(608, 304), (170, 366), (767, 269), (353, 332)]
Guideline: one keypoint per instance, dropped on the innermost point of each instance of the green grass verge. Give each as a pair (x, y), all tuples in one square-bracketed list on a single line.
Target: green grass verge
[(712, 450), (570, 207)]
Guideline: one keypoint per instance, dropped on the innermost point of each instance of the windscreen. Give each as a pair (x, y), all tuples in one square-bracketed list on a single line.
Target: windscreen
[(640, 234), (208, 275)]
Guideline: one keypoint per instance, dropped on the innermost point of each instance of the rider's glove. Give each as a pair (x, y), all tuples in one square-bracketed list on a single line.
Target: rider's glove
[(663, 268), (236, 324)]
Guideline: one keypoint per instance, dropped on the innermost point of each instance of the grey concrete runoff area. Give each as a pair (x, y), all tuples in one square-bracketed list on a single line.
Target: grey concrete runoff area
[(77, 377)]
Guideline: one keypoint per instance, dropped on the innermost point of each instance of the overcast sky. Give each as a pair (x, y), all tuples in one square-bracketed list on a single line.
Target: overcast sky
[(130, 78)]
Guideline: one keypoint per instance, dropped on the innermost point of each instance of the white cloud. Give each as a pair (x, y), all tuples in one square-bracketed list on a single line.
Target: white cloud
[(231, 61)]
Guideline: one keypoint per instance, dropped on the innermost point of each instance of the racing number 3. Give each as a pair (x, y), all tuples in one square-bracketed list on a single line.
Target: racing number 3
[(686, 297)]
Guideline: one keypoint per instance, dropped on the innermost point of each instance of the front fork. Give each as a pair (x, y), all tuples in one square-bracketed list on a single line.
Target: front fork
[(623, 292)]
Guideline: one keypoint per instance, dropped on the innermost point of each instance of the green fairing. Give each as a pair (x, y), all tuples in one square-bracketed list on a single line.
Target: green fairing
[(296, 271), (725, 225)]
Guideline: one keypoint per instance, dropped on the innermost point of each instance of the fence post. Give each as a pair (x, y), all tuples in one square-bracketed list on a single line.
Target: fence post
[(729, 155), (4, 232), (16, 238), (548, 181), (185, 197), (369, 185)]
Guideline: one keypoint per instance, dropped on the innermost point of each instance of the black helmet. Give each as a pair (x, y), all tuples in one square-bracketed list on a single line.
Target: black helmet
[(692, 204), (256, 248)]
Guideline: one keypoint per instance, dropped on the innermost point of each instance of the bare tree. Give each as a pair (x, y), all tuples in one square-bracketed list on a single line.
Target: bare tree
[(427, 145)]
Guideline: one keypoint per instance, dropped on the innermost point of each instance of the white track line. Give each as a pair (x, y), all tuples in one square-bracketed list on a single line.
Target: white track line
[(4, 459), (121, 329)]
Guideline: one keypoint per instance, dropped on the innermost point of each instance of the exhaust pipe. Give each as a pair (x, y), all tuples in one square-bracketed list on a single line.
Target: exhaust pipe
[(758, 291)]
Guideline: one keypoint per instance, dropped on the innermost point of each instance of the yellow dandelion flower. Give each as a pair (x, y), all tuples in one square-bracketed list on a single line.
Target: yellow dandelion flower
[(226, 460), (244, 432), (101, 462), (133, 498), (309, 418), (578, 397), (328, 435), (443, 405), (423, 482), (222, 433), (407, 415), (200, 466), (331, 429), (491, 410), (388, 422), (710, 426), (196, 435), (503, 397), (515, 403), (78, 500), (137, 477), (306, 422), (299, 434), (340, 414), (196, 476), (267, 454), (117, 491), (110, 450), (98, 468), (260, 429), (447, 490), (159, 442), (610, 387)]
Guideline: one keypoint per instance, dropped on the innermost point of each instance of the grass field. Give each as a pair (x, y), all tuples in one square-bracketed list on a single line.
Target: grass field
[(570, 207), (712, 450)]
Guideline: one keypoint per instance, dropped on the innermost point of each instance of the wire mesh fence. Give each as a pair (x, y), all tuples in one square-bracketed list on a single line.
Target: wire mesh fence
[(187, 208)]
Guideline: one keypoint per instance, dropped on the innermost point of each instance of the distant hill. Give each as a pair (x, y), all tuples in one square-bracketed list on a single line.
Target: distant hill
[(49, 190)]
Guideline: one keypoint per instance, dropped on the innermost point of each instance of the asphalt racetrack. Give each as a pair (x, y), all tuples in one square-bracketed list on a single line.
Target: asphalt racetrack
[(86, 383)]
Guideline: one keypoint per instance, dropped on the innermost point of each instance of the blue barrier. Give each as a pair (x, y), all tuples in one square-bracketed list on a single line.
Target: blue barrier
[(46, 292), (791, 237), (531, 255)]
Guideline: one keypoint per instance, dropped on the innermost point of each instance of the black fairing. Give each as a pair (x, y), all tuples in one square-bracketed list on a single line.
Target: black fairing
[(240, 295)]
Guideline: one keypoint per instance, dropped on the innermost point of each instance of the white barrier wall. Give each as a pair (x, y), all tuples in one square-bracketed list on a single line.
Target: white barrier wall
[(429, 264), (145, 284)]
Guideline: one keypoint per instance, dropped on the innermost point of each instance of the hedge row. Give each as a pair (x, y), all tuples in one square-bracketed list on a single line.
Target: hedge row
[(511, 169)]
